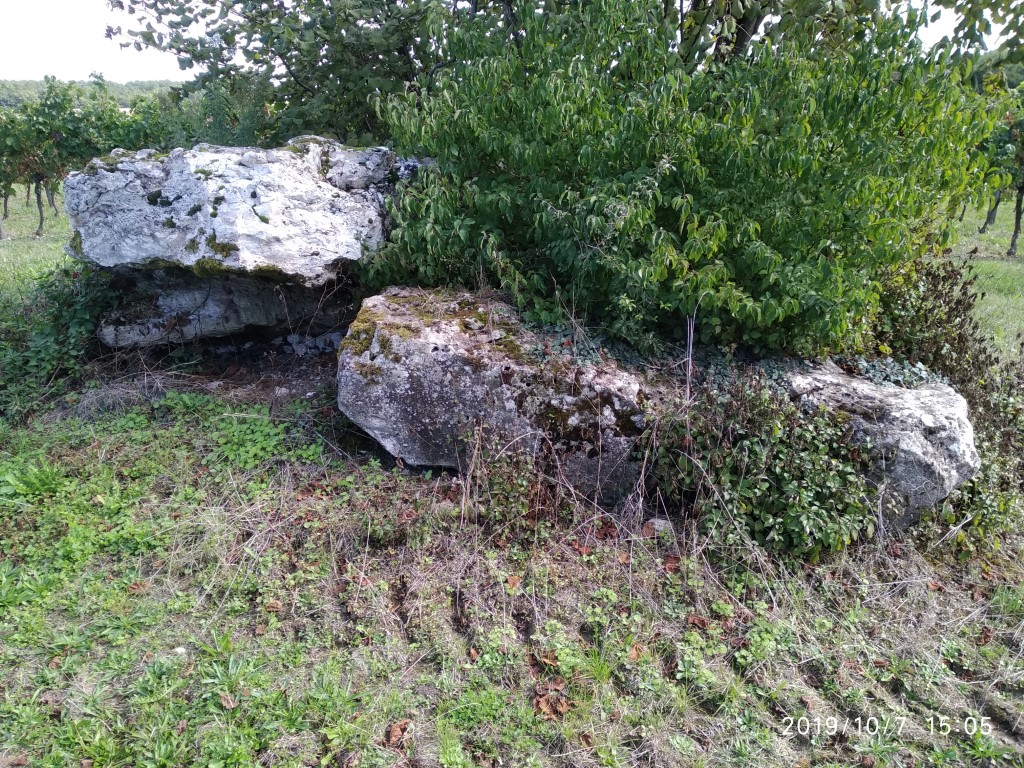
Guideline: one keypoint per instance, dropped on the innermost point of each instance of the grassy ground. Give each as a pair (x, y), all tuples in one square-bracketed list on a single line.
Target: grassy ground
[(24, 257), (1002, 279), (211, 570)]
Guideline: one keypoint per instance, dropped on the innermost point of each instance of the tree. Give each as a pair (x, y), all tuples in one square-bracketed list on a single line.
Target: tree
[(65, 128), (327, 57), (586, 168), (330, 58)]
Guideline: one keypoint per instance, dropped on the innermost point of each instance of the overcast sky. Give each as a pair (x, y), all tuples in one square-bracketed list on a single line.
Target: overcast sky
[(65, 38)]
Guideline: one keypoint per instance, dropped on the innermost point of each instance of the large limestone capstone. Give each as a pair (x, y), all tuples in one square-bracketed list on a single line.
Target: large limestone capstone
[(422, 371), (921, 440), (300, 212)]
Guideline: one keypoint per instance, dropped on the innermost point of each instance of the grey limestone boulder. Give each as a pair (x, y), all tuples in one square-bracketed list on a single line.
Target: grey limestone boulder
[(300, 212), (921, 440), (421, 371), (172, 307)]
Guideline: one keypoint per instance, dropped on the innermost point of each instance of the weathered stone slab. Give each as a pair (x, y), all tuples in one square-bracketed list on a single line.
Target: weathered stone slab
[(921, 440), (298, 213), (172, 307), (421, 371)]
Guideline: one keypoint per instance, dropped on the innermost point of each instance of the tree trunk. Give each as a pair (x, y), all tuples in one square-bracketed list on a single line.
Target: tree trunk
[(963, 212), (50, 199), (990, 219), (28, 194), (7, 210), (39, 204), (1016, 221)]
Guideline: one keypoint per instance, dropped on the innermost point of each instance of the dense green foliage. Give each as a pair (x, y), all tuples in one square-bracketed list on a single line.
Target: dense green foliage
[(586, 171), (235, 112), (326, 58), (43, 347), (13, 93), (928, 317), (748, 465)]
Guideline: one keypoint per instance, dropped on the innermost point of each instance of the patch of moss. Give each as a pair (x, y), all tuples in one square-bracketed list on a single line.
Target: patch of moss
[(360, 333), (169, 223), (162, 264), (271, 273), (209, 268), (204, 172), (76, 244), (194, 209), (192, 246), (369, 371), (510, 347), (154, 197), (224, 250)]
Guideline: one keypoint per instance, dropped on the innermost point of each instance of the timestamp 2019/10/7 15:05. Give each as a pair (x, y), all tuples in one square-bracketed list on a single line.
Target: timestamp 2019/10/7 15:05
[(871, 726)]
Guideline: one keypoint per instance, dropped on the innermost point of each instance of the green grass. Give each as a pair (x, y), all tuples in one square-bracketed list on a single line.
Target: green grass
[(211, 576), (23, 256), (190, 580), (1001, 311)]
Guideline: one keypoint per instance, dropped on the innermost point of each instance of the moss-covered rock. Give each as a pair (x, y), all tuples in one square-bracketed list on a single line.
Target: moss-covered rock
[(421, 371)]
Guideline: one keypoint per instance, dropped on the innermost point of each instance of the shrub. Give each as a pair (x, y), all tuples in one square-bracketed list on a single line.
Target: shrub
[(586, 171), (928, 316), (749, 466), (47, 340)]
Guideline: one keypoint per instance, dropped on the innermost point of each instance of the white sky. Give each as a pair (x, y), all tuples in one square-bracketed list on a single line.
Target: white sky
[(65, 38)]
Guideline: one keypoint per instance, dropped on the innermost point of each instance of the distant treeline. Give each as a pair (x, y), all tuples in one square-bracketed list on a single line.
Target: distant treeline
[(14, 93)]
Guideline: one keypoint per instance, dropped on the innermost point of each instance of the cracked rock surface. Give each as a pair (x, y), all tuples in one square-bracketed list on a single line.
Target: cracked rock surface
[(420, 371), (921, 440), (298, 213)]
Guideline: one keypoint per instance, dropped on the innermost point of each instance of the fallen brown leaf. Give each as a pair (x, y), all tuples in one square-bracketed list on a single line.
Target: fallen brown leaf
[(227, 701), (139, 587), (181, 727), (624, 558), (513, 582), (986, 636), (582, 549), (274, 606), (396, 735), (672, 563)]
